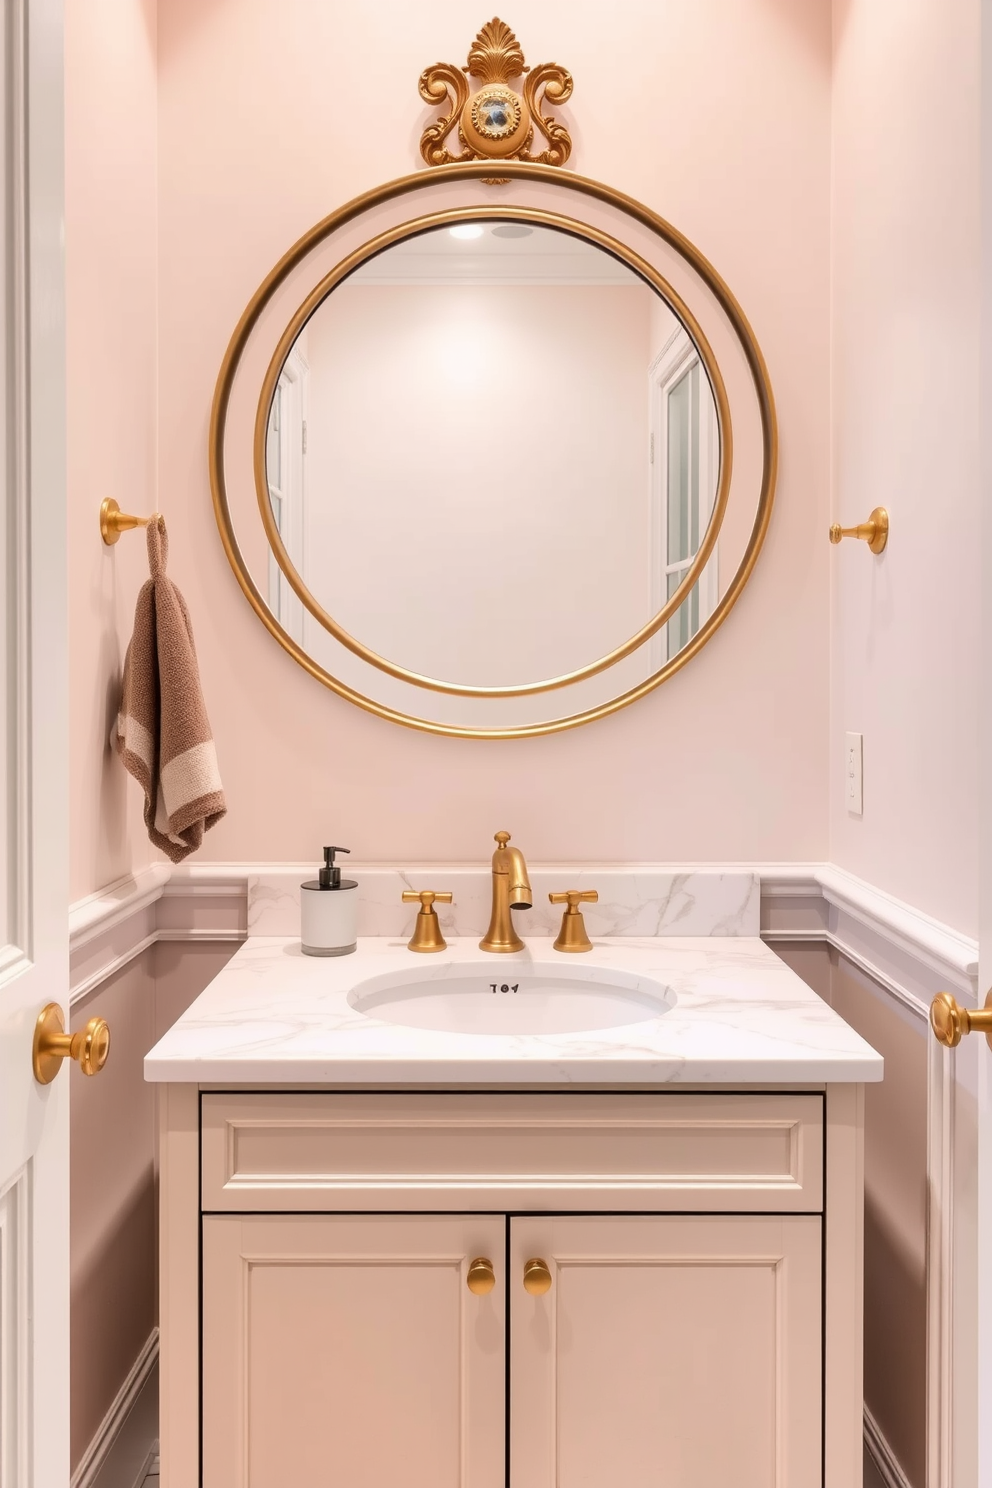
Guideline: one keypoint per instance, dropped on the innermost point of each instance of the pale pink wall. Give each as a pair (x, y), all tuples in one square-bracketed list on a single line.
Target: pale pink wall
[(717, 114), (437, 500), (906, 292), (111, 388)]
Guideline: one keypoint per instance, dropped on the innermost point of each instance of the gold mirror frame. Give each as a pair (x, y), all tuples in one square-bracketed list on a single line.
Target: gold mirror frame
[(471, 171), (412, 229)]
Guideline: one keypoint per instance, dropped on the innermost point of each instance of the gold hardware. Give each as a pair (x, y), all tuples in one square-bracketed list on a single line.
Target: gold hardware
[(511, 890), (113, 521), (537, 1277), (517, 171), (950, 1021), (481, 1277), (495, 123), (572, 935), (875, 532), (90, 1046), (427, 928)]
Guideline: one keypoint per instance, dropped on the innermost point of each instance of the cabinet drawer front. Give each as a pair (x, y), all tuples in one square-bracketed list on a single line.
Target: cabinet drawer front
[(590, 1152)]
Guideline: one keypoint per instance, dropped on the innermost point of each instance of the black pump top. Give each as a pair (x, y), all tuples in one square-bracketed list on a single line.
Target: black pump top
[(330, 875)]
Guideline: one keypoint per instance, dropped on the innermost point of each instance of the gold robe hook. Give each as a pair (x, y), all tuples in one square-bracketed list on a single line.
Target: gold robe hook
[(875, 532), (113, 521)]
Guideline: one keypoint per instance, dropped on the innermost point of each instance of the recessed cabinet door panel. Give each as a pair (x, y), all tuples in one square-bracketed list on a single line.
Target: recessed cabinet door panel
[(675, 1351), (348, 1350)]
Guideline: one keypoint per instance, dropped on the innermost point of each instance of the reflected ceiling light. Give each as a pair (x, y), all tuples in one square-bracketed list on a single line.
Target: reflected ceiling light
[(512, 230), (467, 230)]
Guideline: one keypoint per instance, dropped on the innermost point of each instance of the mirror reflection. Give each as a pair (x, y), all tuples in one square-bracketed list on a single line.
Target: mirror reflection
[(492, 454)]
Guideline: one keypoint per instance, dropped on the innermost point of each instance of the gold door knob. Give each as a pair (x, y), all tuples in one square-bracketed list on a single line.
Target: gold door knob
[(950, 1021), (481, 1277), (537, 1277), (90, 1046)]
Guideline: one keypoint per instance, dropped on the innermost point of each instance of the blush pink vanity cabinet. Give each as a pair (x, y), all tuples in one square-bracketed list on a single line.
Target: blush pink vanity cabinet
[(702, 1327)]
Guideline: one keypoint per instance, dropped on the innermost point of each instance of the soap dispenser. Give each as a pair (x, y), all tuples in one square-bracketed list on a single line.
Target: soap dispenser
[(329, 910)]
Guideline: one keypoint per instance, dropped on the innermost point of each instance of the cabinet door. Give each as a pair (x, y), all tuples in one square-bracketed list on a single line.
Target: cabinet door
[(681, 1351), (348, 1350)]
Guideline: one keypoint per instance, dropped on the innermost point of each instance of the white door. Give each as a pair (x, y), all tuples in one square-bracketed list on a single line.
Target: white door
[(34, 1119)]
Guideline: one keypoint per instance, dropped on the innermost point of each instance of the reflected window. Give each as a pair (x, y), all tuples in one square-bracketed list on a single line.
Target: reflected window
[(684, 463), (285, 469), (274, 474)]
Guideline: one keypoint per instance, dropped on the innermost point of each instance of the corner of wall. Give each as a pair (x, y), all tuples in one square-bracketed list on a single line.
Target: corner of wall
[(112, 377)]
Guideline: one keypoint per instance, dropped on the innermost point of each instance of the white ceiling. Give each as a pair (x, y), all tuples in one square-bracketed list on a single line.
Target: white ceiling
[(546, 256)]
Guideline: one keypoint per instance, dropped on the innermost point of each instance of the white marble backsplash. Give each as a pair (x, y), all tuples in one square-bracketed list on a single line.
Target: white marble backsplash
[(632, 901)]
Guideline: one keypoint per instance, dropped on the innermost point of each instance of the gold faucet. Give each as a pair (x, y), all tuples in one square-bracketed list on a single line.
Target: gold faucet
[(511, 890)]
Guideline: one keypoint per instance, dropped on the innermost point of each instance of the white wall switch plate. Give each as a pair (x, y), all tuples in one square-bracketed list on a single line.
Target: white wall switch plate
[(853, 773)]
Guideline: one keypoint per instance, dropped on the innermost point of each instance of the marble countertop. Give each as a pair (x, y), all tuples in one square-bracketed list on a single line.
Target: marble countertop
[(740, 1016)]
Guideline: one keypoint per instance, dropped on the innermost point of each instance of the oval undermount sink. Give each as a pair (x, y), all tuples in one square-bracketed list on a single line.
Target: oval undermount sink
[(512, 999)]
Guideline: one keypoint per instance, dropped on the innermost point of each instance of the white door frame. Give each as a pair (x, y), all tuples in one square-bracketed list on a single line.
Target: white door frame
[(34, 1119)]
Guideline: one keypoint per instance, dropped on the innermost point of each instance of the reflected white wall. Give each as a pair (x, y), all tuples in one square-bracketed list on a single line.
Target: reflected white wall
[(477, 474)]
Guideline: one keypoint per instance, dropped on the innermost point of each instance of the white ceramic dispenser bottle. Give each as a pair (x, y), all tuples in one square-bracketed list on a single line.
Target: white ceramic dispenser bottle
[(329, 910)]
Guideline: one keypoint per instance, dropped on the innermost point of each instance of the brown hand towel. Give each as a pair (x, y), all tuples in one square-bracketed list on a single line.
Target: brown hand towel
[(162, 732)]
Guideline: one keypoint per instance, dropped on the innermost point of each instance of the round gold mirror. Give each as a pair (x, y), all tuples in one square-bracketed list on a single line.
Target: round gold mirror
[(498, 468)]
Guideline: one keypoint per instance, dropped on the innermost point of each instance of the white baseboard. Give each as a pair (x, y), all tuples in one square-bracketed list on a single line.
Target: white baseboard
[(118, 1425), (882, 1456)]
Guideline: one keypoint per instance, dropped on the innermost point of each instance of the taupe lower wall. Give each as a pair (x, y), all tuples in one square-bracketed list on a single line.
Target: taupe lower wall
[(112, 1202), (181, 973), (113, 1221), (895, 1198)]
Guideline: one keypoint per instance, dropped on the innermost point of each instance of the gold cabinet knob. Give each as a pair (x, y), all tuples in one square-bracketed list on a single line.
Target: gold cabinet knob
[(572, 936), (481, 1277), (427, 927), (950, 1021), (89, 1047), (537, 1277)]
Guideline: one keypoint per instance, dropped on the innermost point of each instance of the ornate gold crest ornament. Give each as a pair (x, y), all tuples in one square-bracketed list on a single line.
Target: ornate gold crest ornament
[(495, 122)]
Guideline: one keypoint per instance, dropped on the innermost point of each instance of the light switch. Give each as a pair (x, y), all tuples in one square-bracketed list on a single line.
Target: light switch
[(854, 783)]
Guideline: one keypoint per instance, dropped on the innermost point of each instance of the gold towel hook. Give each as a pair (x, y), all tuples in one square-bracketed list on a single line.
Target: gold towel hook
[(875, 532), (113, 521)]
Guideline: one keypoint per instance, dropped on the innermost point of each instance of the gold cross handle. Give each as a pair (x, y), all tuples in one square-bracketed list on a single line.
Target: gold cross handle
[(427, 927), (572, 935)]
